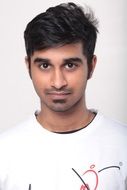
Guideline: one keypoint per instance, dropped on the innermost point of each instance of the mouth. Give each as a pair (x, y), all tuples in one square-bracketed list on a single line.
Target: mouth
[(58, 95)]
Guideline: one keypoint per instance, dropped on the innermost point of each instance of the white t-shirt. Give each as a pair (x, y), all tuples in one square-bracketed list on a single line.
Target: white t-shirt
[(94, 158)]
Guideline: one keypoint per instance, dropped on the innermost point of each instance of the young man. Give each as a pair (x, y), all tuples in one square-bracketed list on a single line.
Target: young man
[(64, 146)]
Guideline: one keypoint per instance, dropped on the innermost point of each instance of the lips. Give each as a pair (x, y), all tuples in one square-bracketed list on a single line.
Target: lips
[(58, 95)]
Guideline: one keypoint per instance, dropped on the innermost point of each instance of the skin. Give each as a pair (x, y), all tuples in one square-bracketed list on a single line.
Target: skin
[(59, 76)]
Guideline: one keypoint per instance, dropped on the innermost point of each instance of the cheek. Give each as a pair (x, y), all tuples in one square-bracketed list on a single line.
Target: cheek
[(78, 81), (36, 74), (39, 81)]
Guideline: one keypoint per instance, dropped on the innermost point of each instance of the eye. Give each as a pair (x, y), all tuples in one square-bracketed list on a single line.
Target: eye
[(70, 66), (44, 66)]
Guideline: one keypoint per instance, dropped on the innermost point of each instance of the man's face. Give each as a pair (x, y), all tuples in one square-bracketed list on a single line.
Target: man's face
[(59, 76)]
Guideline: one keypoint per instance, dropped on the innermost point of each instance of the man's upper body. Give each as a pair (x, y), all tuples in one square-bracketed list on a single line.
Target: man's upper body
[(67, 146)]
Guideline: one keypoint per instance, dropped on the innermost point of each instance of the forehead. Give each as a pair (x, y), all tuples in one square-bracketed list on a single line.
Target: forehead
[(60, 52)]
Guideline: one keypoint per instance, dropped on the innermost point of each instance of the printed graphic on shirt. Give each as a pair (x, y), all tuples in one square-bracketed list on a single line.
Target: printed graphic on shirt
[(90, 178), (29, 187), (91, 175)]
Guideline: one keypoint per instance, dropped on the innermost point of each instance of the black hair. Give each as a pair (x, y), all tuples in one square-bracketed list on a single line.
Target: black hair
[(63, 24)]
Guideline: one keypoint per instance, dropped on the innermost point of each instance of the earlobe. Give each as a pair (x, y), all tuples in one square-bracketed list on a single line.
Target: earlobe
[(26, 62), (92, 66), (28, 65)]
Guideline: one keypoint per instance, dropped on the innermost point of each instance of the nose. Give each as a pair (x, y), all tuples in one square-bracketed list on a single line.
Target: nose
[(58, 80)]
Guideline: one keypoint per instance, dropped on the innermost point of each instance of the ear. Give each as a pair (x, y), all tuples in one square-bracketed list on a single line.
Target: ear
[(92, 66), (28, 65)]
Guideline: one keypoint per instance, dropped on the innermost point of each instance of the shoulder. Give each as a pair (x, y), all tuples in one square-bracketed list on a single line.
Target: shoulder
[(17, 133), (111, 129), (113, 125)]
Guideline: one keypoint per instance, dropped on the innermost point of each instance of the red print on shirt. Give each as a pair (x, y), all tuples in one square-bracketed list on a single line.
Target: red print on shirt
[(90, 177)]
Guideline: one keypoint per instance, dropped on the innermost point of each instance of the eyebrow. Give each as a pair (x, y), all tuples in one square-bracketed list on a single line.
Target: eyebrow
[(73, 59), (67, 60), (41, 60)]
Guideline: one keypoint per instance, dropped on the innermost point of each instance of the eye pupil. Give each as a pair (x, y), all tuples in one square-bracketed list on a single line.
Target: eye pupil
[(70, 65), (45, 65)]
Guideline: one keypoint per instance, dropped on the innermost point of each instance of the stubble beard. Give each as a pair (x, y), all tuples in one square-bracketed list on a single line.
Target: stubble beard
[(63, 105)]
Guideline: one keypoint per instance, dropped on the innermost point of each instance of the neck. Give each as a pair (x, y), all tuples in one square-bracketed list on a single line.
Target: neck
[(65, 121)]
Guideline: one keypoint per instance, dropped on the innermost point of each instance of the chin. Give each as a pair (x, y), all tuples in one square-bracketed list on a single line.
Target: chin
[(60, 109)]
